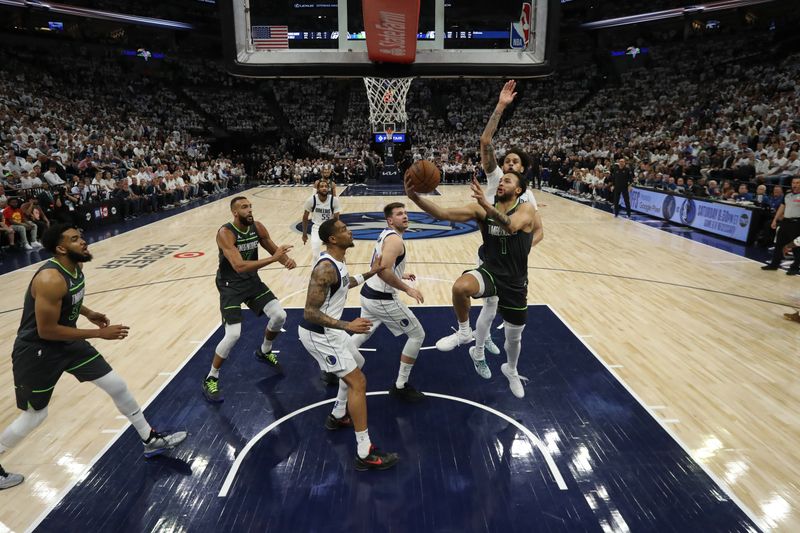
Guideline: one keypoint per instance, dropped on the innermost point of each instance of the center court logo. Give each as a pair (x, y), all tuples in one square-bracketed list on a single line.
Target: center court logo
[(367, 226)]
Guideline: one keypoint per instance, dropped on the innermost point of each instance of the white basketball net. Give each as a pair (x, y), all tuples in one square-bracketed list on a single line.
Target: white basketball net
[(387, 100)]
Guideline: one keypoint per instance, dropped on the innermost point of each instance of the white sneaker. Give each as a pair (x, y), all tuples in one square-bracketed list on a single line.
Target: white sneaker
[(161, 442), (491, 347), (514, 381), (481, 367), (36, 245), (451, 342), (27, 247), (8, 480)]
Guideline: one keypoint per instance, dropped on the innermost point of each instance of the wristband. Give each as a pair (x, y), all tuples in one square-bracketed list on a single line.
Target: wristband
[(359, 279)]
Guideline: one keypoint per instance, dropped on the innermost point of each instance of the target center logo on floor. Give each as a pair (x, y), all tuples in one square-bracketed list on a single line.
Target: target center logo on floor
[(368, 226)]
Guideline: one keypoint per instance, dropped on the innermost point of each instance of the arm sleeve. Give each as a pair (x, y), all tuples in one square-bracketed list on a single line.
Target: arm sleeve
[(337, 208), (492, 181), (308, 205)]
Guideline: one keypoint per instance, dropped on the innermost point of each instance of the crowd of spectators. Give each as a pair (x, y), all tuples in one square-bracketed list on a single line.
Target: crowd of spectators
[(722, 122), (69, 144)]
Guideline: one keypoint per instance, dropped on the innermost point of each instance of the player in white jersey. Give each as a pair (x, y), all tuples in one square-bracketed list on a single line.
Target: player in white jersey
[(514, 160), (379, 302), (324, 336), (321, 206)]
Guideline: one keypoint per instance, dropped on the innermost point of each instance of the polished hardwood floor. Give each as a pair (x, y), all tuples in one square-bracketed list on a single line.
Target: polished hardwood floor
[(694, 332)]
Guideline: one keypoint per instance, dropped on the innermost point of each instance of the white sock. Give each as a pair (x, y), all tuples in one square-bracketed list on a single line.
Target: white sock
[(213, 373), (363, 443), (477, 353), (266, 346), (402, 374), (340, 405), (140, 424), (463, 329)]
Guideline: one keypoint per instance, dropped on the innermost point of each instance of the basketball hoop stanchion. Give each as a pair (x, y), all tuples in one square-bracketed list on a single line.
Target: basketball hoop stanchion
[(387, 104)]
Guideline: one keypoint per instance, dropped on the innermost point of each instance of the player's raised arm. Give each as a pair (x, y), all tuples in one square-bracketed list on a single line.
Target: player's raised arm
[(488, 159), (453, 214)]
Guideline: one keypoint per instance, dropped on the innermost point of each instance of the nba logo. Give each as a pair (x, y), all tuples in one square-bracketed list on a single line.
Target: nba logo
[(521, 31)]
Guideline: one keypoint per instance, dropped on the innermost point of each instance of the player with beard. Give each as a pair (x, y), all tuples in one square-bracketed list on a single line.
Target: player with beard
[(515, 160), (507, 228), (49, 343), (325, 336), (238, 283)]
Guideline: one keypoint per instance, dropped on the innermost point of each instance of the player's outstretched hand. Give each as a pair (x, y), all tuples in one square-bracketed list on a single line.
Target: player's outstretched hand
[(289, 264), (410, 277), (477, 193), (305, 239), (359, 325), (376, 266), (507, 94), (113, 333), (410, 192), (282, 250), (98, 319)]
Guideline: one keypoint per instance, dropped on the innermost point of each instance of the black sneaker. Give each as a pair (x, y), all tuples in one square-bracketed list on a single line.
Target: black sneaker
[(376, 460), (269, 359), (211, 390), (407, 393), (793, 272), (8, 480), (770, 266), (332, 423), (330, 378)]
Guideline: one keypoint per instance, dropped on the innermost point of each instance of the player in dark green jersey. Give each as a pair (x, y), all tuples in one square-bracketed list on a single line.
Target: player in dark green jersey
[(49, 343), (238, 283), (507, 228)]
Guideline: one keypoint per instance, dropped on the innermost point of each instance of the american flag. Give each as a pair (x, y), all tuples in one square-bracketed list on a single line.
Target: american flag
[(267, 37)]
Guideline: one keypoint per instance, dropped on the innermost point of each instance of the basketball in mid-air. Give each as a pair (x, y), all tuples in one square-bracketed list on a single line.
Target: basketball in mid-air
[(424, 176)]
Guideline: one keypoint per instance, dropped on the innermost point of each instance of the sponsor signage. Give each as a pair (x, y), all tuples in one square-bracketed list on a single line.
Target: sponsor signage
[(718, 218)]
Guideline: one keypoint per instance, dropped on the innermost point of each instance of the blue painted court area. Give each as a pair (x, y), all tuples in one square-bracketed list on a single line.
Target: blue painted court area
[(462, 468)]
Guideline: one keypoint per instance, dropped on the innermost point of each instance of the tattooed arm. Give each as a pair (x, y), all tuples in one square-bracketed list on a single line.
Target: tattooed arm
[(488, 160), (523, 219), (323, 276)]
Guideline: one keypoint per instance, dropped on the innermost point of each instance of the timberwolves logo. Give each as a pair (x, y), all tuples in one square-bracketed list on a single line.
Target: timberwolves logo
[(367, 226), (688, 211), (668, 207)]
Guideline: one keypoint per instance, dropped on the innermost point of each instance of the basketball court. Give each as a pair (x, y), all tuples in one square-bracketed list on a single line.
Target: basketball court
[(642, 410), (662, 392)]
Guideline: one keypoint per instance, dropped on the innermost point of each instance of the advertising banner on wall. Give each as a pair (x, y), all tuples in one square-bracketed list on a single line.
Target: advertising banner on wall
[(721, 219)]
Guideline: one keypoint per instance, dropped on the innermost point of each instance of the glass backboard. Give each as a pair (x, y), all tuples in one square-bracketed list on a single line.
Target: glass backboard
[(327, 38)]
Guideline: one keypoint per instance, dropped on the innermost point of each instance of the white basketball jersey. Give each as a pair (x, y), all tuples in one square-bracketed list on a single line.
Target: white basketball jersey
[(321, 211), (337, 293), (375, 282), (493, 180)]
